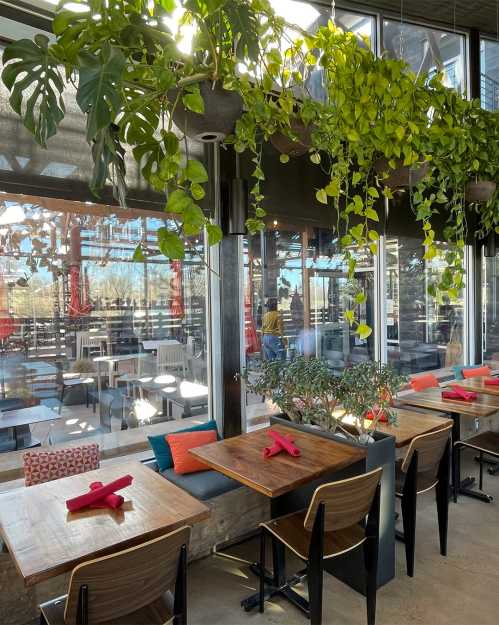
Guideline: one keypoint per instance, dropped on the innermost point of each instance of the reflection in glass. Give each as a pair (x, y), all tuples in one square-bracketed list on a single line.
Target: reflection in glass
[(490, 269), (427, 50), (422, 333), (489, 79)]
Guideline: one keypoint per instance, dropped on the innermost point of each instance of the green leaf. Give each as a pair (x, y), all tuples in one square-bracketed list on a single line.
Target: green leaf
[(315, 157), (194, 102), (356, 178), (170, 244), (196, 172), (193, 219), (333, 188), (363, 330), (32, 76), (321, 196), (349, 316), (197, 191), (178, 201), (138, 254), (214, 233), (98, 87), (360, 298), (109, 163), (373, 192), (284, 158), (372, 214)]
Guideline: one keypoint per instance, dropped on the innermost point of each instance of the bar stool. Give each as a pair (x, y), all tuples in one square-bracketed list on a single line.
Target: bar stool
[(334, 524), (426, 465)]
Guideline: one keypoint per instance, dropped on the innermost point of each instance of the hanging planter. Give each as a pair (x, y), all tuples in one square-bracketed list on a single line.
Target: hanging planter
[(222, 109), (480, 190), (403, 175), (293, 148)]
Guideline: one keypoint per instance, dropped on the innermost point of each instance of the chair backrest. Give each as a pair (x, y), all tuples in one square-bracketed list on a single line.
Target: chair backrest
[(170, 356), (128, 580), (346, 502), (48, 465), (430, 448)]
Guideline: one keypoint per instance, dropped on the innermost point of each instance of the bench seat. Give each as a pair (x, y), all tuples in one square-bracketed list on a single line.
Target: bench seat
[(203, 485)]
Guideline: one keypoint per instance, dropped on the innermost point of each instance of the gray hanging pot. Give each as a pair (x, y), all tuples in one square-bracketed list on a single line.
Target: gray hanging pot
[(285, 145), (222, 109), (403, 175), (480, 190)]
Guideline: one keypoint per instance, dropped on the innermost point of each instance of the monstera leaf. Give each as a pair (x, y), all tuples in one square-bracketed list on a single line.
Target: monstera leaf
[(109, 163), (32, 76), (98, 95)]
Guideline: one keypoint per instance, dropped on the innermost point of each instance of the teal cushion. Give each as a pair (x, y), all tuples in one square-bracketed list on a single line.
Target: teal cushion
[(458, 370), (161, 448), (203, 484)]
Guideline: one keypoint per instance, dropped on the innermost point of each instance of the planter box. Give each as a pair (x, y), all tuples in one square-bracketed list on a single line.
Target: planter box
[(381, 453)]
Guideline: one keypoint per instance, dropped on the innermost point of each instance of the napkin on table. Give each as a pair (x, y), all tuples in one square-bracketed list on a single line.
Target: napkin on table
[(112, 501), (285, 443), (94, 496)]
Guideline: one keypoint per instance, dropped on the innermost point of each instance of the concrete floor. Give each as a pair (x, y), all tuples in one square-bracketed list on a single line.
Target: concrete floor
[(461, 589)]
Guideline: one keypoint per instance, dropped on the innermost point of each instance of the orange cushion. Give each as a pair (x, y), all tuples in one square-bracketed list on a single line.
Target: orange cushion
[(420, 382), (479, 372), (183, 461)]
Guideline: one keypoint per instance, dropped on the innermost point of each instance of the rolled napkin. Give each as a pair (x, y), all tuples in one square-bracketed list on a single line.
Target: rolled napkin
[(463, 393), (285, 443), (458, 396), (83, 501), (492, 381), (110, 501), (370, 416), (276, 448)]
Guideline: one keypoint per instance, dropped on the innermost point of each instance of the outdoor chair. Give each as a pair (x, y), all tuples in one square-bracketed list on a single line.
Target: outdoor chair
[(333, 525), (426, 465), (487, 446), (74, 380), (170, 357), (142, 585)]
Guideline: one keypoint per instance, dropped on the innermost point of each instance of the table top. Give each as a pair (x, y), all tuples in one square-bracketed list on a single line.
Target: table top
[(241, 458), (411, 424), (25, 416), (478, 384), (152, 344), (118, 357), (45, 540), (482, 406)]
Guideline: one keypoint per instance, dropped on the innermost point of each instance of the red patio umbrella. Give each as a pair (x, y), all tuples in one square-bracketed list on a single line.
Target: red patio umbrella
[(177, 301), (251, 337), (86, 306), (7, 324), (74, 307)]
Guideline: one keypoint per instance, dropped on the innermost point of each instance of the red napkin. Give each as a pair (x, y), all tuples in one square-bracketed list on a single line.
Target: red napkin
[(463, 393), (83, 501), (459, 396), (110, 501), (371, 416), (492, 381), (285, 443), (276, 448)]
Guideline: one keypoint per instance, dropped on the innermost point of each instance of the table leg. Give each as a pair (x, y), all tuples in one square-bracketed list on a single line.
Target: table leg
[(16, 438), (187, 412)]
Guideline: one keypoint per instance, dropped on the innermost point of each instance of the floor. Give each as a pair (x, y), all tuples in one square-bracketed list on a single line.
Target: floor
[(461, 589)]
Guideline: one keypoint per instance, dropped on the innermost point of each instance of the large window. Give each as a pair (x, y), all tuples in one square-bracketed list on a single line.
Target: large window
[(427, 50), (104, 341), (422, 332), (489, 78), (490, 273)]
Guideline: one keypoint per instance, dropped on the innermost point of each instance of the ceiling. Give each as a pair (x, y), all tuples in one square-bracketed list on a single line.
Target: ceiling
[(479, 14)]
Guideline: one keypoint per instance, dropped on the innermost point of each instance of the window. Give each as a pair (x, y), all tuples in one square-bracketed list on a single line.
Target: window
[(489, 78), (490, 286), (423, 334), (104, 341), (427, 50)]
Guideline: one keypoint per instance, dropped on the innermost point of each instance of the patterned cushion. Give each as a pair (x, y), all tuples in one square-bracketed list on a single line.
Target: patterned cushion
[(45, 466)]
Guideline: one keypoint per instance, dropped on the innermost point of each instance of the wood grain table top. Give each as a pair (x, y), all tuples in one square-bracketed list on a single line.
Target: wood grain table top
[(482, 406), (45, 540), (411, 424), (478, 385), (241, 458), (25, 416)]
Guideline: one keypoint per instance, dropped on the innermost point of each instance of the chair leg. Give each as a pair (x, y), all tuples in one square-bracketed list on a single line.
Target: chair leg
[(442, 496), (43, 620), (180, 599), (262, 570), (455, 473), (409, 503), (316, 568), (371, 564)]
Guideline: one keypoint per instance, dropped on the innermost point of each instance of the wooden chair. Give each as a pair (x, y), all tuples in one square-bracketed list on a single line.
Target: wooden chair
[(332, 525), (142, 585), (426, 465), (487, 446)]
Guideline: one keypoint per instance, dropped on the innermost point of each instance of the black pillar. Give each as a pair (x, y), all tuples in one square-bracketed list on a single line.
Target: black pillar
[(475, 72)]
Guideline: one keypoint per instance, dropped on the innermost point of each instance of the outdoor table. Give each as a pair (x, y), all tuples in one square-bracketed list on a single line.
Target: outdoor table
[(25, 417), (154, 344), (483, 406), (241, 458), (45, 540), (112, 362), (187, 395)]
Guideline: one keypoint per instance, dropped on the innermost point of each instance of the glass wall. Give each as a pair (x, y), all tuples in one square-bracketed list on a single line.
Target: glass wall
[(103, 341), (427, 50), (422, 333), (490, 298), (489, 78)]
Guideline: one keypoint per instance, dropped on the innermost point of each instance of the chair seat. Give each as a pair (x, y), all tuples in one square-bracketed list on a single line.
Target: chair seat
[(487, 442), (160, 612), (425, 480), (291, 531)]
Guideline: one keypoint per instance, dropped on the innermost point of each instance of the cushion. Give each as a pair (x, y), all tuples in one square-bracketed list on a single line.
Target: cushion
[(420, 382), (458, 370), (204, 485), (45, 466), (161, 448), (180, 445), (477, 372)]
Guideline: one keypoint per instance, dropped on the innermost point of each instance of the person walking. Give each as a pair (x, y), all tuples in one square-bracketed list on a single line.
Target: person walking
[(272, 330)]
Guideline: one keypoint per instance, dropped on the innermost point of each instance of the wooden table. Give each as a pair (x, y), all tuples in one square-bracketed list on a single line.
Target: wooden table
[(478, 385), (241, 458), (24, 417), (46, 540), (483, 406)]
